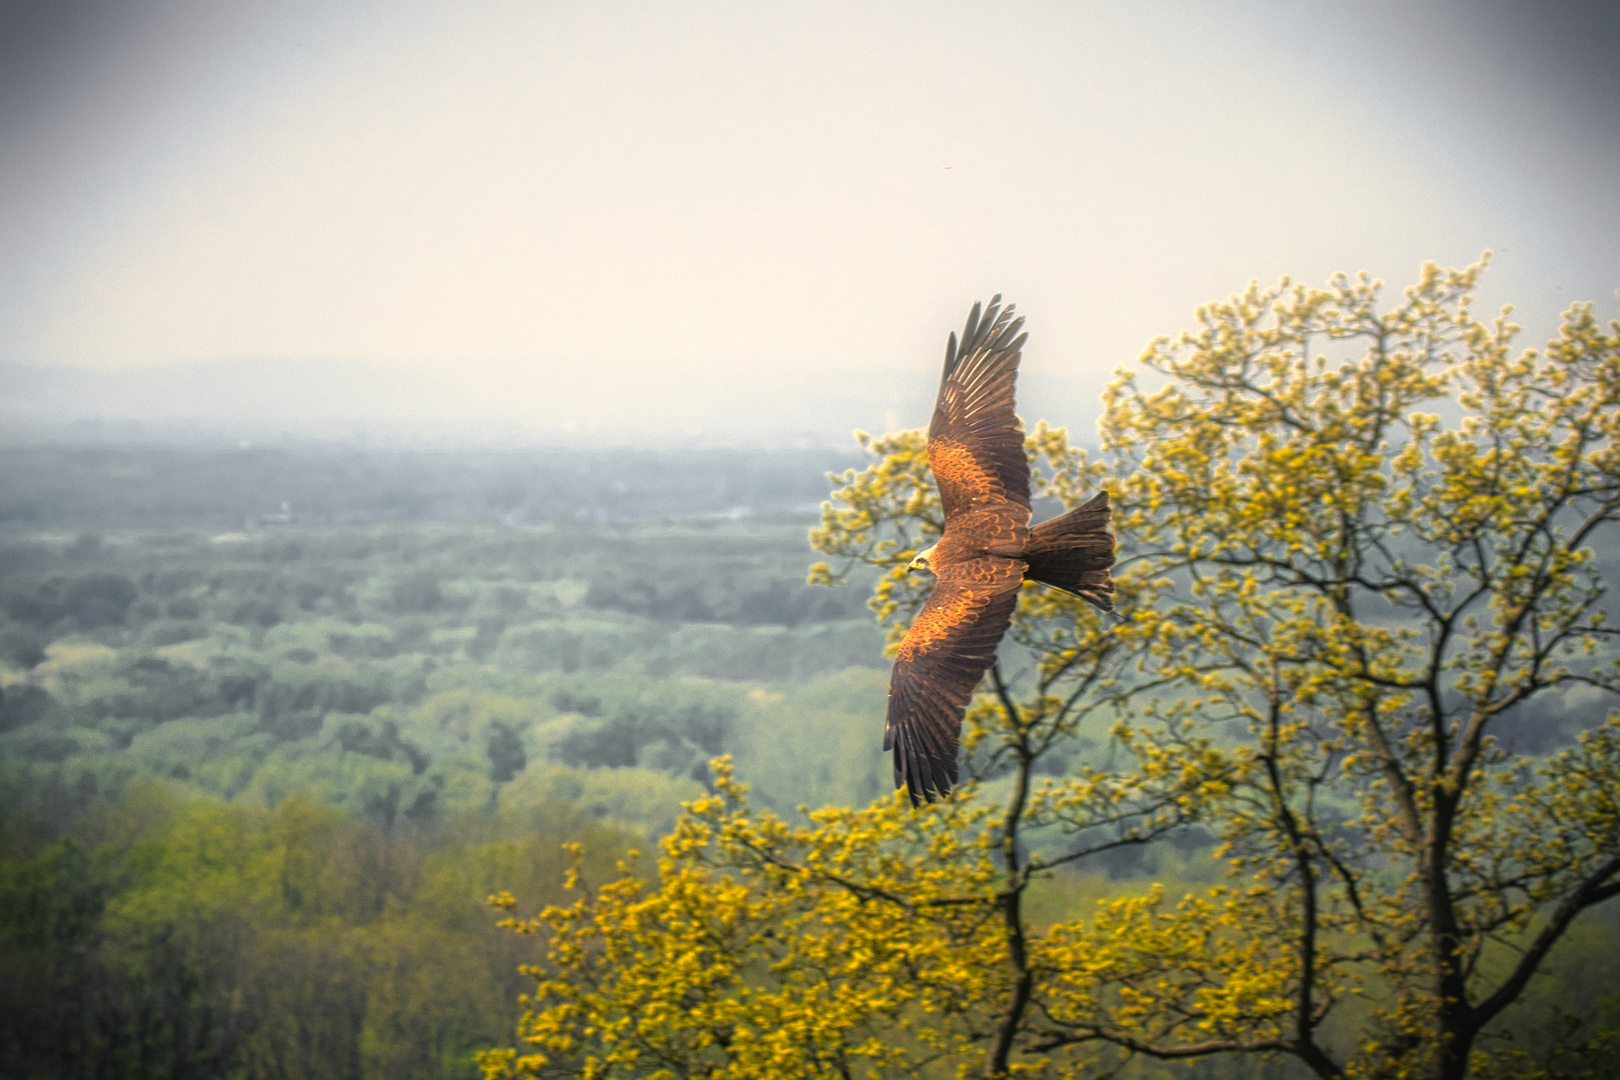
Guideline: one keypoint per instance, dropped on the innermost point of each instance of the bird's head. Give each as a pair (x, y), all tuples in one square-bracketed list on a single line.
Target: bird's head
[(921, 561)]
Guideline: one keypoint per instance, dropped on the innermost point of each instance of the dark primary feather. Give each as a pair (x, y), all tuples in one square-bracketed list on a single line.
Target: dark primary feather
[(995, 331)]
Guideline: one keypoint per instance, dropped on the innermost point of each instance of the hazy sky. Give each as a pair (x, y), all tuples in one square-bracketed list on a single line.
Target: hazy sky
[(606, 208)]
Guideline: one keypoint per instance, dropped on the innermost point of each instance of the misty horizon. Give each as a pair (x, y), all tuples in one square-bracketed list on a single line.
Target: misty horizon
[(350, 400)]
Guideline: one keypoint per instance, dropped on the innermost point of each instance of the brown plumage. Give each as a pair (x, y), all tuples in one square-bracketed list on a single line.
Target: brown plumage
[(976, 452)]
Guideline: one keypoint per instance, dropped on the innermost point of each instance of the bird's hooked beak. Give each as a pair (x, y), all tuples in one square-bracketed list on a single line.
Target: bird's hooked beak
[(921, 561)]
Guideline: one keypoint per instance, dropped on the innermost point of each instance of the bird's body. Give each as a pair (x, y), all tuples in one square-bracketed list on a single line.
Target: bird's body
[(986, 552)]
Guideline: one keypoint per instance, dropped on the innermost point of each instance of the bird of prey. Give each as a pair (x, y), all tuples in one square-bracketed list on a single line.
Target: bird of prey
[(987, 550)]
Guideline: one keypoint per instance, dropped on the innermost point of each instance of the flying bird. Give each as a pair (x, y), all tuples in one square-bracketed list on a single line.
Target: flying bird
[(987, 550)]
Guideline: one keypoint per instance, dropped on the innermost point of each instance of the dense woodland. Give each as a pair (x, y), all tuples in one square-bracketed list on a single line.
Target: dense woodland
[(261, 765), (260, 768)]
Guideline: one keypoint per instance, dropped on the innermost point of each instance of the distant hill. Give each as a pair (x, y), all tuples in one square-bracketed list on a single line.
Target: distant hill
[(146, 486), (332, 401)]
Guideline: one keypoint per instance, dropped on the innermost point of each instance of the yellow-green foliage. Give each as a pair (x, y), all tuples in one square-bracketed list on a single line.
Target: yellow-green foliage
[(1364, 592), (770, 949)]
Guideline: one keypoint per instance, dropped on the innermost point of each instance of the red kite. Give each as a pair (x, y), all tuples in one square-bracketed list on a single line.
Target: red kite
[(976, 452)]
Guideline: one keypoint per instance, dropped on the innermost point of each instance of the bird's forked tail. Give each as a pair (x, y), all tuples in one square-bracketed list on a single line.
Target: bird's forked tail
[(1075, 552)]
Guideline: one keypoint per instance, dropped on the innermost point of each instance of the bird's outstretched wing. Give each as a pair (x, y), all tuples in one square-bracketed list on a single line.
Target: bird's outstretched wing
[(975, 442), (941, 659)]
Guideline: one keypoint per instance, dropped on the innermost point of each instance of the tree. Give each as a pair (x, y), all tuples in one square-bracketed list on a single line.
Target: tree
[(1355, 639)]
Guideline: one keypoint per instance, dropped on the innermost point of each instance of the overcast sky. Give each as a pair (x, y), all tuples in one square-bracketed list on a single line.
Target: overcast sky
[(589, 211)]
